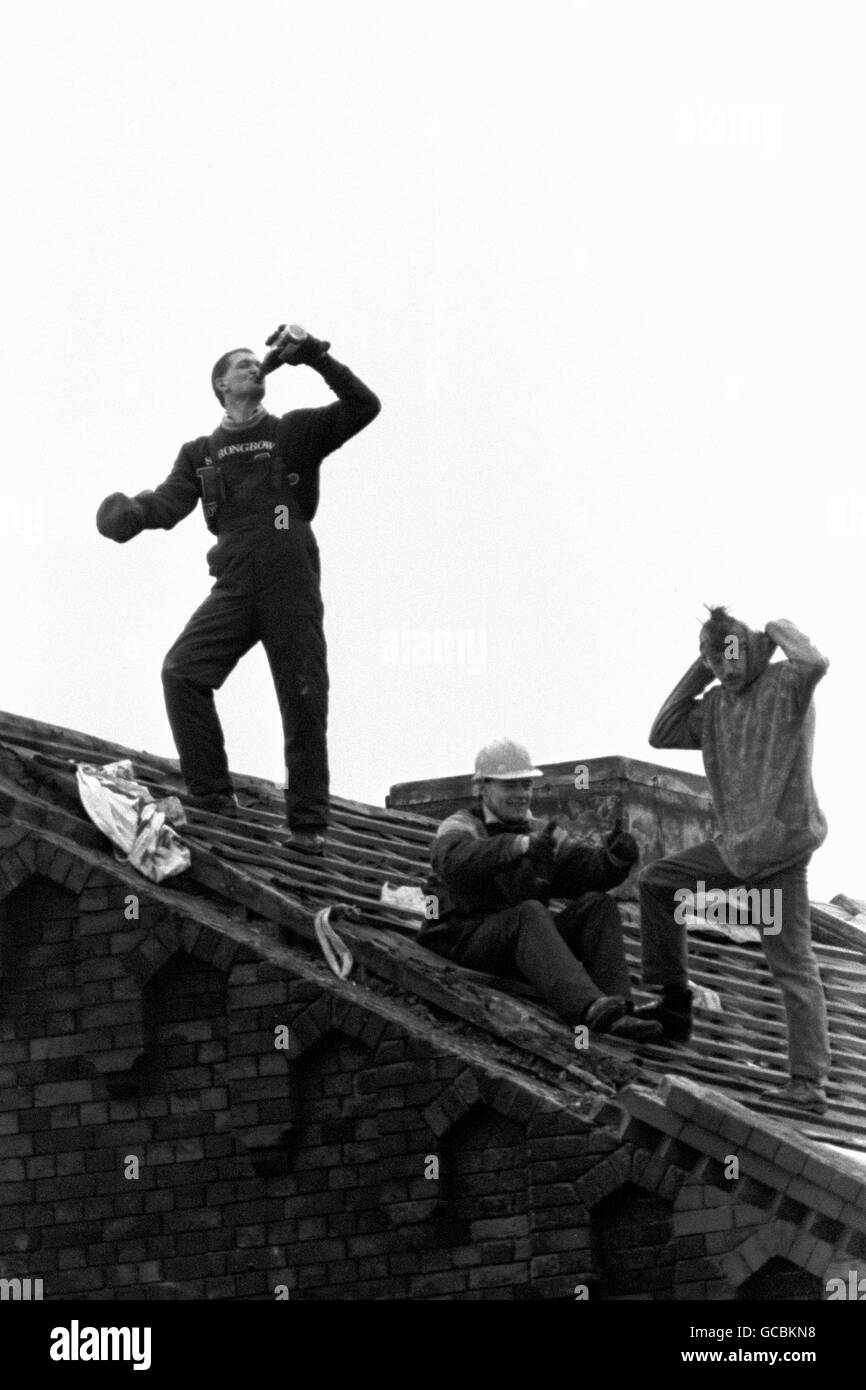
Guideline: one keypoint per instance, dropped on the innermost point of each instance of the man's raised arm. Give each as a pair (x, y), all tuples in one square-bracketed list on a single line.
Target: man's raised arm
[(807, 663), (584, 869), (679, 721), (320, 430)]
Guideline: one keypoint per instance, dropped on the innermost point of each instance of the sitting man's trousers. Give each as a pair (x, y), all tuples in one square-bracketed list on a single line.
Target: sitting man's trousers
[(572, 957)]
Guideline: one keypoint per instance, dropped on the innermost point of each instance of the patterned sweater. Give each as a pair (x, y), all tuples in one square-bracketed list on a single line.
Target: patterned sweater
[(757, 750)]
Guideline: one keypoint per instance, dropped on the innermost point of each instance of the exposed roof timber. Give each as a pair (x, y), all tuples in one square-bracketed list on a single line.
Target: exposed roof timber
[(246, 862)]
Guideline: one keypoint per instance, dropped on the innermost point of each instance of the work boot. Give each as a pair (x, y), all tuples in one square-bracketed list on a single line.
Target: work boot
[(801, 1092), (307, 842), (218, 803), (673, 1011), (637, 1030), (604, 1012)]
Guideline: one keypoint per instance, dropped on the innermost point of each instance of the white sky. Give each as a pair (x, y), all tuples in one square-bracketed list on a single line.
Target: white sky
[(603, 263)]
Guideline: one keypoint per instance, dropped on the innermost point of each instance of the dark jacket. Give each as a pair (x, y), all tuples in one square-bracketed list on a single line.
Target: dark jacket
[(477, 869), (273, 463)]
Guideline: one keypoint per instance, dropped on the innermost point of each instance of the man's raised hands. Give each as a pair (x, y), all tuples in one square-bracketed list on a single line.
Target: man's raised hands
[(297, 347)]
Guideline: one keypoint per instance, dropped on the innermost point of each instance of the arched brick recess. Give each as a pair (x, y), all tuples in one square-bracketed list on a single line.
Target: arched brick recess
[(279, 1115), (61, 992), (184, 1010), (631, 1191), (153, 953), (168, 935), (37, 943), (608, 1176), (465, 1233), (331, 1114), (334, 1087), (22, 853), (635, 1253), (472, 1088), (454, 1104), (779, 1279), (265, 1079), (313, 1022), (181, 1006), (24, 857), (167, 943), (483, 1178), (778, 1239), (17, 859), (309, 1025)]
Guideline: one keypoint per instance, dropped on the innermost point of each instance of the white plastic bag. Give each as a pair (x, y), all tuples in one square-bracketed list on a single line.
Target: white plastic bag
[(705, 998), (408, 897), (125, 811)]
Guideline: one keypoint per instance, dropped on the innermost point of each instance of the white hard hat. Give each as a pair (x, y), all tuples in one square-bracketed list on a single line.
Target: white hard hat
[(505, 760)]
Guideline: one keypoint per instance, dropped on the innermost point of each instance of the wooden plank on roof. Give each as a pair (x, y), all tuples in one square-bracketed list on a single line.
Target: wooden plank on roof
[(745, 955), (852, 951), (150, 767), (855, 907), (406, 965), (421, 827), (827, 926), (844, 1005), (290, 900), (326, 874)]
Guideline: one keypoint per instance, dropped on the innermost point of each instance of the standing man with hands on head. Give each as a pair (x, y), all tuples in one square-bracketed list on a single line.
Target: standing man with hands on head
[(257, 476), (494, 871), (755, 730)]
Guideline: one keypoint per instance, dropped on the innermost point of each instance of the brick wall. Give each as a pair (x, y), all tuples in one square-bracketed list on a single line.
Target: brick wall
[(779, 1279), (636, 1252), (181, 1119)]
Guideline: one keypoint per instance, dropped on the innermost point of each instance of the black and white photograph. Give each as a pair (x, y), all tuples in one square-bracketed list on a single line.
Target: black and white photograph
[(431, 847)]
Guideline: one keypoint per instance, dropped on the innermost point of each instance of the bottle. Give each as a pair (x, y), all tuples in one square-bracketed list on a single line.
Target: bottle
[(272, 359)]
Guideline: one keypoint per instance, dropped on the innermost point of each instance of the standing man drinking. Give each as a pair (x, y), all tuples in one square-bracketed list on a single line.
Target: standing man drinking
[(257, 476)]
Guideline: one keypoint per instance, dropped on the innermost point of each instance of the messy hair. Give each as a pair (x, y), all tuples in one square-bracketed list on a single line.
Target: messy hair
[(220, 367), (717, 629)]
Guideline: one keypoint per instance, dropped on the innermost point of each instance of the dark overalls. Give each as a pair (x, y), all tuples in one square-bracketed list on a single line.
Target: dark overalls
[(262, 489)]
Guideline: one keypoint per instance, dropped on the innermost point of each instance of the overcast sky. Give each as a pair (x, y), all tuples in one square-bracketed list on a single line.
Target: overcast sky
[(604, 265)]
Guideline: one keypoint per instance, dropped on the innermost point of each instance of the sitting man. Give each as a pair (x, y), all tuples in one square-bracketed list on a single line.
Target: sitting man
[(755, 730), (495, 869)]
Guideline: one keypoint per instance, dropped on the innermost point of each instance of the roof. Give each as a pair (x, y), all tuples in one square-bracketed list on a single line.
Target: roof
[(245, 879)]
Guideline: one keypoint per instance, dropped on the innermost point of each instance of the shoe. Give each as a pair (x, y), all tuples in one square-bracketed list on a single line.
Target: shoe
[(604, 1012), (638, 1030), (306, 842), (801, 1092), (217, 803), (673, 1011)]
